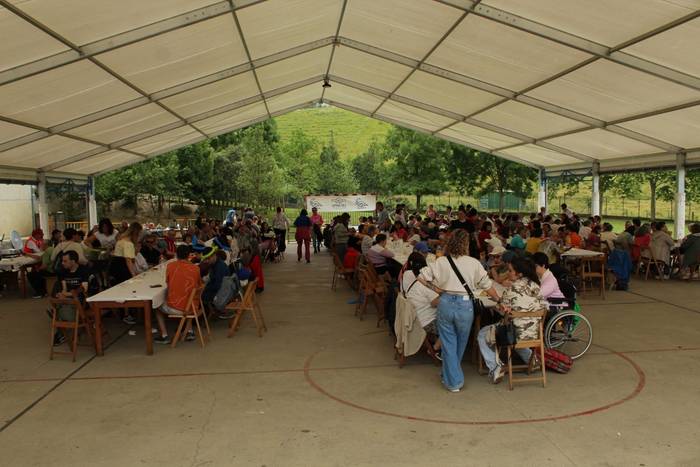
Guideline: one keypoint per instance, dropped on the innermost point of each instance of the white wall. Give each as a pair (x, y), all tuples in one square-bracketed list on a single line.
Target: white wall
[(16, 211)]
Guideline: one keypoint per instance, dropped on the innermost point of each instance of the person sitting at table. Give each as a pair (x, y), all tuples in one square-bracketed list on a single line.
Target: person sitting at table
[(485, 234), (661, 246), (123, 264), (72, 277), (181, 277), (149, 250), (106, 234), (690, 249), (571, 237), (607, 236), (642, 241), (368, 239), (341, 234), (398, 232), (593, 241), (423, 299), (517, 241), (217, 271), (524, 295), (71, 242), (549, 285), (533, 243), (34, 248), (378, 255), (585, 230), (55, 238), (170, 246)]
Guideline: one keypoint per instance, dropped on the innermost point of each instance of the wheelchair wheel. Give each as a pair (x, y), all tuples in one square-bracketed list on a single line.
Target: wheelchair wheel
[(570, 333)]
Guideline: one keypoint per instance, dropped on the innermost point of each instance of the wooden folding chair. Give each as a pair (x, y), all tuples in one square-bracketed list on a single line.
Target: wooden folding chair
[(536, 345), (247, 303), (593, 267), (648, 260), (372, 286), (193, 311), (340, 270), (82, 320)]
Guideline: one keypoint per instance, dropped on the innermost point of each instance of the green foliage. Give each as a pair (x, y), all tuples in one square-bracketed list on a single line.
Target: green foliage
[(260, 179), (417, 162), (334, 175), (370, 170), (297, 156)]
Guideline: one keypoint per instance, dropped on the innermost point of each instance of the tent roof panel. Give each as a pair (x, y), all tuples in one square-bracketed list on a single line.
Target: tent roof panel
[(413, 116), (501, 55), (169, 138), (62, 94), (106, 18), (353, 97), (125, 124), (609, 91), (477, 135), (602, 144), (44, 151), (28, 43), (681, 127), (527, 120), (179, 56), (671, 48), (603, 21), (232, 119), (10, 131), (407, 28), (366, 68), (295, 97), (446, 94), (276, 25), (291, 70), (101, 162), (214, 95), (539, 155)]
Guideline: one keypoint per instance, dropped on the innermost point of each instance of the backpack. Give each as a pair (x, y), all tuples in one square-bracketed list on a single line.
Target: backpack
[(557, 361), (230, 290)]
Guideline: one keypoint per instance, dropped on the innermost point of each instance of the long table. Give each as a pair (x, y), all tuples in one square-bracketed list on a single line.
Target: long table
[(18, 264), (147, 291)]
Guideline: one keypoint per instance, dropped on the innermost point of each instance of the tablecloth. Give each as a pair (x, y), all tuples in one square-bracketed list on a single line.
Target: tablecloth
[(14, 264), (137, 288)]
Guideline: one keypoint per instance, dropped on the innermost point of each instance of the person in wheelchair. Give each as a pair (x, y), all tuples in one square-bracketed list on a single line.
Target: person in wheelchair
[(557, 290)]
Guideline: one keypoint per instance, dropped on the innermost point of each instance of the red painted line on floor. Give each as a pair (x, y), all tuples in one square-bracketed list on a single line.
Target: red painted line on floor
[(641, 381)]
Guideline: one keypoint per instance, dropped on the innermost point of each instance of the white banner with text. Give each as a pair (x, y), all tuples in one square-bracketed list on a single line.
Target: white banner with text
[(331, 203)]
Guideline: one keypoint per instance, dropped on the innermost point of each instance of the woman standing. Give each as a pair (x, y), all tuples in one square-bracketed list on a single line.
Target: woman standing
[(341, 235), (317, 221), (106, 234), (123, 264), (453, 276), (303, 234), (280, 224)]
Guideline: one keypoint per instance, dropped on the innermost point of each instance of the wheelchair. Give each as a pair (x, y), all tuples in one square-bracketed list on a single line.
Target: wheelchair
[(565, 328)]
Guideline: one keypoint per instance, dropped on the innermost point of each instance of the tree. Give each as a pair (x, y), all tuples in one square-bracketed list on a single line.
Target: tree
[(369, 169), (297, 158), (661, 184), (480, 174), (196, 174), (334, 176), (260, 178), (418, 162)]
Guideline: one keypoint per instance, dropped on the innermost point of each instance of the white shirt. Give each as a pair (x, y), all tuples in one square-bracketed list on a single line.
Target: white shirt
[(441, 274), (585, 232), (107, 241), (420, 297)]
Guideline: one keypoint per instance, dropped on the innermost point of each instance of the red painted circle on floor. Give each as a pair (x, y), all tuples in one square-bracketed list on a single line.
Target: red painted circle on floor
[(641, 381)]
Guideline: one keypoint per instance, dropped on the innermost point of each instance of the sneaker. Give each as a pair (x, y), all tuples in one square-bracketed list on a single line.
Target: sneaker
[(496, 376), (128, 319), (228, 315), (190, 336), (39, 295), (58, 339), (165, 340), (438, 355), (454, 389)]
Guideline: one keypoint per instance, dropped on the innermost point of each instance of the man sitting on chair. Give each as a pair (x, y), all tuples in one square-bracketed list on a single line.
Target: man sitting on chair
[(72, 276), (181, 277)]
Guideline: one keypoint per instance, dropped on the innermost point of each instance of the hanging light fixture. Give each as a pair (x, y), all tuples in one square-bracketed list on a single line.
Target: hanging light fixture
[(326, 83)]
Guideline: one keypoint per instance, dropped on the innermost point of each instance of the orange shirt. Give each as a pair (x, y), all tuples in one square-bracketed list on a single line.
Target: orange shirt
[(575, 240), (181, 277)]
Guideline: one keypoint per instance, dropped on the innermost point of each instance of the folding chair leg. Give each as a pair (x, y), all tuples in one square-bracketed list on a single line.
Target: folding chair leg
[(258, 326), (52, 333), (542, 367), (74, 344), (260, 315), (206, 323), (233, 323), (178, 332), (199, 331), (510, 369)]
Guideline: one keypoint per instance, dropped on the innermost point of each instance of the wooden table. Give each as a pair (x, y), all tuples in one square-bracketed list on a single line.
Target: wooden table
[(147, 291), (18, 264)]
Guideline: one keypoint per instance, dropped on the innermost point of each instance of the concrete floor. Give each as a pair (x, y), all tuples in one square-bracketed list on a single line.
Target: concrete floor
[(322, 389)]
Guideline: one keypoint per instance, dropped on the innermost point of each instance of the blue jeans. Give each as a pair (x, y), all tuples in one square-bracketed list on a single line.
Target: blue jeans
[(455, 316)]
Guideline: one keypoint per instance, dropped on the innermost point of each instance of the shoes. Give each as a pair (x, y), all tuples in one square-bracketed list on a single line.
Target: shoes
[(128, 319), (260, 290), (308, 261), (454, 389), (39, 295), (226, 315), (165, 340), (58, 339), (190, 336), (496, 376)]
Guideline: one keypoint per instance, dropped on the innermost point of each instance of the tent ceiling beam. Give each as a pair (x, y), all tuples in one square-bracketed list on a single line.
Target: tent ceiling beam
[(37, 24), (172, 126), (233, 128), (247, 54), (335, 44), (612, 54), (122, 39), (422, 130)]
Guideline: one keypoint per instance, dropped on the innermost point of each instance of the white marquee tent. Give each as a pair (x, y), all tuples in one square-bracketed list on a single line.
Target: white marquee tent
[(87, 86)]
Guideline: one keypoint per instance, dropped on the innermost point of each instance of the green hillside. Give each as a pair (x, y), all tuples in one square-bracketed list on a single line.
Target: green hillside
[(352, 133)]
